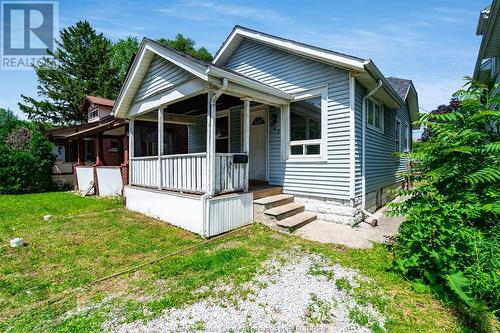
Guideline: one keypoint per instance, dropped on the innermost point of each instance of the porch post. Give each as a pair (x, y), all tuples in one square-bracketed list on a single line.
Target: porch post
[(160, 145), (80, 160), (246, 136), (212, 152), (130, 148), (98, 149)]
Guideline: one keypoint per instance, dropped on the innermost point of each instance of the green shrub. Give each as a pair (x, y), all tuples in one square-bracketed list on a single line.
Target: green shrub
[(26, 157), (450, 238)]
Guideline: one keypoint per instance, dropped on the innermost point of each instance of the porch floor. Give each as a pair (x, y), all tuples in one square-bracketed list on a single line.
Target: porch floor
[(259, 191), (264, 190)]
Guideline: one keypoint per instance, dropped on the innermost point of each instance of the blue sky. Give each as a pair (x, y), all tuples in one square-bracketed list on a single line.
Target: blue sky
[(431, 42)]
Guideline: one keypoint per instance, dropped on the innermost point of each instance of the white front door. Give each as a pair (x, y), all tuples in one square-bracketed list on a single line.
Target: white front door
[(258, 145)]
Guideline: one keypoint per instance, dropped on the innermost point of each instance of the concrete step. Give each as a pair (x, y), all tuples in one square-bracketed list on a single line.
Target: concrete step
[(282, 212), (274, 201), (296, 221)]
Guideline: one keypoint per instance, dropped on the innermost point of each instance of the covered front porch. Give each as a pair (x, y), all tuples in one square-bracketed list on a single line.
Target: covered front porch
[(199, 145), (198, 135)]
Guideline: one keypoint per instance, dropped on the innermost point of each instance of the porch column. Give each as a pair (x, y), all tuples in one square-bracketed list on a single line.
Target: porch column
[(211, 122), (80, 160), (160, 145), (246, 136), (98, 150), (130, 148)]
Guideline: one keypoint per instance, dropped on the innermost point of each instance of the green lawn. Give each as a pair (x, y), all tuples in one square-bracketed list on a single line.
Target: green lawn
[(90, 238)]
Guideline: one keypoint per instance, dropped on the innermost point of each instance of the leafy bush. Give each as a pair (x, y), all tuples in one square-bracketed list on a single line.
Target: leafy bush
[(450, 238), (26, 157)]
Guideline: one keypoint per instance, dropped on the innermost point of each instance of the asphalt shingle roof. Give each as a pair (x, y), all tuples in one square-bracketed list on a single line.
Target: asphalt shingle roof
[(401, 86)]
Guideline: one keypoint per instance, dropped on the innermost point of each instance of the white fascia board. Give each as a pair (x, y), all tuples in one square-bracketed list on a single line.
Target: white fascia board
[(174, 95), (220, 73), (148, 47), (377, 75), (312, 52), (126, 85), (184, 63)]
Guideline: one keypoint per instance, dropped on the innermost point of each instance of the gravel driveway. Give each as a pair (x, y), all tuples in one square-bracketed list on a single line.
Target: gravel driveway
[(292, 293)]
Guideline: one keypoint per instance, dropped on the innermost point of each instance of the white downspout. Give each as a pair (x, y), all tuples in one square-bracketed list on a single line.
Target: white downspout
[(363, 142), (211, 121)]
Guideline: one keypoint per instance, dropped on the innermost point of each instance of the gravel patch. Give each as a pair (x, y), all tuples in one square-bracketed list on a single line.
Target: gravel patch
[(293, 293)]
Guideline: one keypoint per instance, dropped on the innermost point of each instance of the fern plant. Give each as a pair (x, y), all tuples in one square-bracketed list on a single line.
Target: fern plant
[(450, 238)]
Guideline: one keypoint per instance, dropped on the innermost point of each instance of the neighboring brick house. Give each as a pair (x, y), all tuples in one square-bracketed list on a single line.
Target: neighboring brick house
[(103, 141)]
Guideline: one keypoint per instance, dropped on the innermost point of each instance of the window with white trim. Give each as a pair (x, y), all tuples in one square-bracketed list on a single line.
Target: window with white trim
[(93, 112), (397, 136), (306, 113), (375, 115)]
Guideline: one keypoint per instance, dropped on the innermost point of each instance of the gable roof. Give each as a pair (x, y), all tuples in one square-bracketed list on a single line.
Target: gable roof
[(364, 70), (95, 100), (200, 69), (239, 33)]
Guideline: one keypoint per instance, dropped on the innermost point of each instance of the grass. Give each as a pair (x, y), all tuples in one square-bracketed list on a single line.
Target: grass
[(73, 249)]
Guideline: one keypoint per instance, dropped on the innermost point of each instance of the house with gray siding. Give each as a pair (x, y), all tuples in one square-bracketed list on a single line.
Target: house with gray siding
[(488, 58), (278, 131)]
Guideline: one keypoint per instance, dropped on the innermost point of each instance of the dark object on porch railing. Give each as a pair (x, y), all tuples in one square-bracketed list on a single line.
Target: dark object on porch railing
[(240, 158)]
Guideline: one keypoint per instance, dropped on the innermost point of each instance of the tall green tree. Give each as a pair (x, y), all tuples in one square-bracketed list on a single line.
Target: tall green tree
[(188, 46), (122, 52), (80, 65)]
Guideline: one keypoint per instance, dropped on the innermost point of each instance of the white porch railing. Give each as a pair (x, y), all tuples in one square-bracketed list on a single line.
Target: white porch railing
[(229, 176), (188, 172), (144, 171)]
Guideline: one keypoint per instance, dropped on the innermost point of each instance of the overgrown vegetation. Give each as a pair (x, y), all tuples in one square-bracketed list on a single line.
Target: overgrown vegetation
[(26, 156), (450, 239)]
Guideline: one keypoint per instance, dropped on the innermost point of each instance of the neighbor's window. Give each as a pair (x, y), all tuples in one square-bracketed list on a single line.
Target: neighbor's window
[(93, 112), (305, 127), (397, 136), (222, 134), (375, 113)]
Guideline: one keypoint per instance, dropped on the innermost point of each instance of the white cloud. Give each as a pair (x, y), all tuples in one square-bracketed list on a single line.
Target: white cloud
[(207, 10)]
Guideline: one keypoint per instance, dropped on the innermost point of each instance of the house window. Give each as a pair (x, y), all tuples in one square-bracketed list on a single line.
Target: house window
[(113, 146), (375, 113), (93, 112), (305, 124), (71, 151), (397, 136), (222, 134)]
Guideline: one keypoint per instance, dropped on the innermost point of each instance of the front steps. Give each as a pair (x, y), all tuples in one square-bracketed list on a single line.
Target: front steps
[(280, 212)]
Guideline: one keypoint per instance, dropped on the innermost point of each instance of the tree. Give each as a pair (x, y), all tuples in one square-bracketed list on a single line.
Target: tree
[(187, 45), (122, 52), (451, 233), (26, 156), (81, 65)]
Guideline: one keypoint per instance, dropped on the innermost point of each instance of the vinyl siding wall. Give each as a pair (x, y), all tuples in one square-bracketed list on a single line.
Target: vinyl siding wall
[(382, 167), (292, 73), (160, 76)]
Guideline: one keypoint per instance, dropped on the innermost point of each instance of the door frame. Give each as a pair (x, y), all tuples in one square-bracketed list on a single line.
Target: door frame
[(264, 108)]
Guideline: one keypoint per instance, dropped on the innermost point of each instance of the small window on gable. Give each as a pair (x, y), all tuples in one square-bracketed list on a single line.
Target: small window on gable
[(93, 112), (375, 115)]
